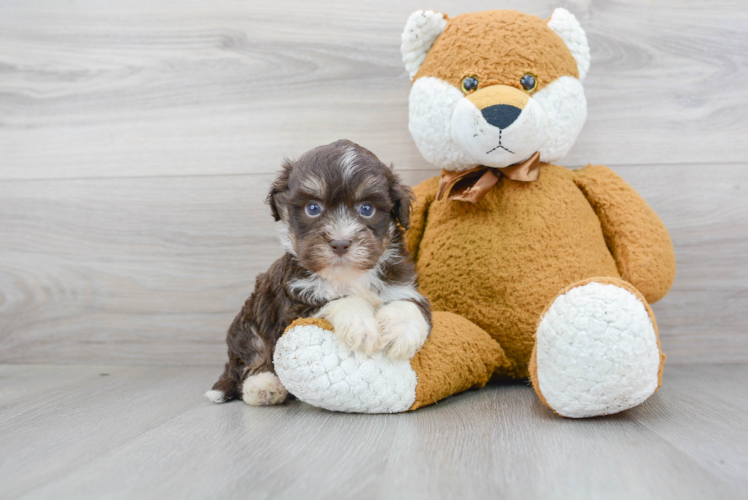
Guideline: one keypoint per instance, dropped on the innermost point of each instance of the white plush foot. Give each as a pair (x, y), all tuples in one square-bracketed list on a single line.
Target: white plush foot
[(402, 329), (597, 352), (263, 389), (354, 323), (319, 369), (216, 396)]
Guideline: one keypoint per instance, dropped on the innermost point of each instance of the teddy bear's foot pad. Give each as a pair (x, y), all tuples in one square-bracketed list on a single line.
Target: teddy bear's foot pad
[(320, 370), (596, 352)]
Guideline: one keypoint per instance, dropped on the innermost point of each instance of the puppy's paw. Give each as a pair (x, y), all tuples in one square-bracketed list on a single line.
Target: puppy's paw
[(353, 321), (216, 396), (263, 389), (402, 329)]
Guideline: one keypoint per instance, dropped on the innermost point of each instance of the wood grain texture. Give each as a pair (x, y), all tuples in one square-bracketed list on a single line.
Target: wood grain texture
[(112, 89), (145, 432), (152, 270), (137, 141)]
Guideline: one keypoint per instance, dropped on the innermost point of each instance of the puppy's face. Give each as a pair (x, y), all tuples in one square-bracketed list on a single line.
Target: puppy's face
[(339, 208)]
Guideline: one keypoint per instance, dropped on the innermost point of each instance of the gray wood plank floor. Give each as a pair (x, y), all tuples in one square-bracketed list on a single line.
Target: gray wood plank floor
[(146, 432)]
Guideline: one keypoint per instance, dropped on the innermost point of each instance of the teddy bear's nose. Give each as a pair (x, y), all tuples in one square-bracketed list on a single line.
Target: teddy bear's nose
[(501, 115)]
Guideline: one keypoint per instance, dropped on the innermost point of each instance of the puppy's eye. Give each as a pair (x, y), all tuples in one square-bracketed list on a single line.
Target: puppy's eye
[(529, 82), (469, 83), (366, 210), (313, 209)]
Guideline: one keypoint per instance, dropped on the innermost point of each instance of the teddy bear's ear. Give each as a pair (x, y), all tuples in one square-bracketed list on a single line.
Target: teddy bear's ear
[(421, 30), (567, 27)]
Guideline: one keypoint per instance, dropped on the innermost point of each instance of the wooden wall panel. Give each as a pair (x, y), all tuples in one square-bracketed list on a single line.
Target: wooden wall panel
[(167, 87), (137, 140), (152, 270)]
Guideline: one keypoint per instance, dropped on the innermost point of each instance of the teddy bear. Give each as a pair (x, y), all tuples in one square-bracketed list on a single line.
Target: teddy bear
[(533, 270)]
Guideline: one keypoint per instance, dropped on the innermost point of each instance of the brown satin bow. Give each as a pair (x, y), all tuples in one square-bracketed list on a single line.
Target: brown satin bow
[(472, 185)]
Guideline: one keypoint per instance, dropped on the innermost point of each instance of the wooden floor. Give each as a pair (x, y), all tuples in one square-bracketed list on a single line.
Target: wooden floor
[(147, 432)]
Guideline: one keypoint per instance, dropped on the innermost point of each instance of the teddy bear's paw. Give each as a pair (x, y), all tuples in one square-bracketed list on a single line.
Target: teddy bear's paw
[(596, 352), (354, 323), (263, 389), (402, 329), (321, 370)]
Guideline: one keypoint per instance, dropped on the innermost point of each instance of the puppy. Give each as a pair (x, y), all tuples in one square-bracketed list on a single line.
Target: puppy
[(341, 214)]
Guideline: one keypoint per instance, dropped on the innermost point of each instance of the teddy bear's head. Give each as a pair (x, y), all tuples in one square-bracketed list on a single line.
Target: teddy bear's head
[(493, 88)]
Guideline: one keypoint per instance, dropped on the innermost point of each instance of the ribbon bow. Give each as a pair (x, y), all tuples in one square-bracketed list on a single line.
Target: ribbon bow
[(472, 185)]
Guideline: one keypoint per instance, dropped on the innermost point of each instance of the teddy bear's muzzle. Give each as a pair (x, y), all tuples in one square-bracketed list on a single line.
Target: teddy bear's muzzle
[(500, 105), (499, 126)]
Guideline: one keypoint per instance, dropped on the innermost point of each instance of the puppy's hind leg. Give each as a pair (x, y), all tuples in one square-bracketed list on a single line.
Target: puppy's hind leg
[(263, 389), (259, 389), (225, 389), (259, 385)]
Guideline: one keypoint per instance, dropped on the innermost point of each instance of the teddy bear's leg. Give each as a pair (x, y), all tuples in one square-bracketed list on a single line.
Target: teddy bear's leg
[(597, 350), (321, 370)]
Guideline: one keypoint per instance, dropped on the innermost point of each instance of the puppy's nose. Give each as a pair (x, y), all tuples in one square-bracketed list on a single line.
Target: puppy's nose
[(340, 247), (501, 115)]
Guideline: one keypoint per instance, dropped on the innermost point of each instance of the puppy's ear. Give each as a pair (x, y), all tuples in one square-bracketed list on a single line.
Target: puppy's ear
[(279, 186), (403, 197)]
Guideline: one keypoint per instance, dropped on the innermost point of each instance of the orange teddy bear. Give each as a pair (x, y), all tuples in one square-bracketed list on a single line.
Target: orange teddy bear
[(533, 270)]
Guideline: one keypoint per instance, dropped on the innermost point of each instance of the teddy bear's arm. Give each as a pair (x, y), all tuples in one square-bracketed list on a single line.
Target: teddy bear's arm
[(425, 194), (635, 235)]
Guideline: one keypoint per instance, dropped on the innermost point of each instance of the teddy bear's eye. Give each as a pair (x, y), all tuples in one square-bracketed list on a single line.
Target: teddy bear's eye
[(469, 83), (529, 82)]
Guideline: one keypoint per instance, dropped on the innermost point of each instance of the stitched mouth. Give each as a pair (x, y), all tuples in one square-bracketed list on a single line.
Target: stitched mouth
[(500, 146)]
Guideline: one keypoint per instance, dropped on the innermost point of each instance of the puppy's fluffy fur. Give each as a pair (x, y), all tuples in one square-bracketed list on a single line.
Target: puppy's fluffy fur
[(340, 214)]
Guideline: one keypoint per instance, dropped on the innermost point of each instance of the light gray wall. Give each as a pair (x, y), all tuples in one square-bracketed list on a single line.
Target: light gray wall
[(138, 139)]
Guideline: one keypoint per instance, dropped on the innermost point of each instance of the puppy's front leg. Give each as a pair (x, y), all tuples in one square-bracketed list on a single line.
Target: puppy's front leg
[(403, 328), (354, 323)]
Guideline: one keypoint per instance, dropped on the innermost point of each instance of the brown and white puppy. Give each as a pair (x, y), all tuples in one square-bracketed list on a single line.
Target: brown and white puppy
[(341, 215)]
